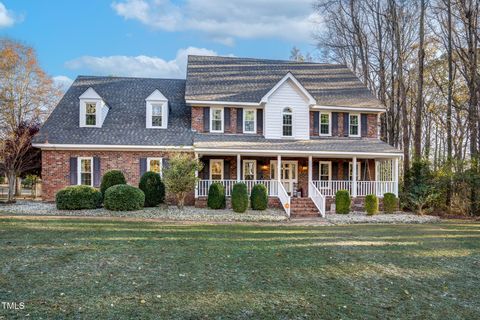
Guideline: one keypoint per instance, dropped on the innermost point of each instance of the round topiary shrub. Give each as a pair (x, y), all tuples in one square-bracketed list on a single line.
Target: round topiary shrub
[(389, 202), (342, 202), (239, 197), (111, 178), (259, 197), (123, 197), (371, 204), (78, 197), (216, 196), (152, 186)]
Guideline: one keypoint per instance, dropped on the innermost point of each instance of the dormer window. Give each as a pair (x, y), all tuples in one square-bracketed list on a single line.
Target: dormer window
[(287, 122), (93, 110), (157, 111), (90, 113)]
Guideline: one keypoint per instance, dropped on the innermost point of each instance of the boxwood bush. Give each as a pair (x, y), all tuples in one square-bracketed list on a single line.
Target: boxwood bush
[(216, 196), (123, 197), (342, 202), (389, 202), (78, 197), (111, 178), (371, 204), (259, 197), (152, 186), (239, 197)]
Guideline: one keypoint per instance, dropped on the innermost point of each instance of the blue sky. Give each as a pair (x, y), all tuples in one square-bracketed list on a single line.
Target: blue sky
[(153, 37)]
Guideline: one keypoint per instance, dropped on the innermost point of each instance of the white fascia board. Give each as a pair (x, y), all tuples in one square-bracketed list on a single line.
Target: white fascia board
[(50, 146), (290, 76), (299, 153), (90, 94), (350, 109), (226, 103), (156, 96)]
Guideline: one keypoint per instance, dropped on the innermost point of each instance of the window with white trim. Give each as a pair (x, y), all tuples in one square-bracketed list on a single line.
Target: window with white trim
[(85, 171), (216, 169), (91, 114), (249, 120), (249, 169), (287, 117), (216, 119), (350, 170), (325, 124), (354, 125), (325, 170), (154, 165), (157, 115)]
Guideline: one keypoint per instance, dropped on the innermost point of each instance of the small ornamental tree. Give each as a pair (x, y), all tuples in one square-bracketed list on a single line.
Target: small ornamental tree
[(111, 178), (259, 197), (342, 202), (179, 176), (371, 204), (239, 197), (151, 184), (216, 196)]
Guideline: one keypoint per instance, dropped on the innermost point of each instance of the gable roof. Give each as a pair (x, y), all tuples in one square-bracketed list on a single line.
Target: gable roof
[(246, 80), (125, 122), (289, 77)]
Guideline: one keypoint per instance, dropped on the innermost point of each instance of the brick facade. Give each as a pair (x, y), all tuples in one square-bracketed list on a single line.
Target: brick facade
[(56, 170), (197, 119)]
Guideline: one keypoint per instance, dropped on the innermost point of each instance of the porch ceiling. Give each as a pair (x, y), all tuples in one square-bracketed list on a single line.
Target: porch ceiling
[(256, 144)]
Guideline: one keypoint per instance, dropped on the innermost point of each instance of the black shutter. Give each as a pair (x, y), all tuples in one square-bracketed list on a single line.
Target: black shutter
[(73, 171), (143, 166), (96, 171), (315, 171), (165, 165), (259, 121), (334, 170), (345, 170), (334, 124), (206, 119), (206, 169), (239, 120), (346, 122), (316, 124), (364, 124), (226, 169), (226, 118)]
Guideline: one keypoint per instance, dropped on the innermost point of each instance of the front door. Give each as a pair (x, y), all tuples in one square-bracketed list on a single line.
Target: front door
[(288, 174)]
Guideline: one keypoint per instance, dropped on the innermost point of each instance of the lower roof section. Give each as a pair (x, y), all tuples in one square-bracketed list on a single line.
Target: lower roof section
[(256, 144)]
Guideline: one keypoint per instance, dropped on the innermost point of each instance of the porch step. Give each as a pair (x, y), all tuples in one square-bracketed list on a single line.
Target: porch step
[(303, 207)]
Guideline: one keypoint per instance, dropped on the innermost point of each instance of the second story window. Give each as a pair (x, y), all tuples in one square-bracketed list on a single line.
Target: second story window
[(90, 114), (249, 119), (354, 125), (157, 115), (156, 111), (287, 116), (325, 124), (216, 120)]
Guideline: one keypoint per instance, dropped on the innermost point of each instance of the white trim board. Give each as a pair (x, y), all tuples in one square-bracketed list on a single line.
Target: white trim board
[(291, 77), (359, 109), (226, 103), (302, 153), (49, 146)]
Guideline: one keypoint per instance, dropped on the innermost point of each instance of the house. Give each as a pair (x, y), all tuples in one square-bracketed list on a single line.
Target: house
[(304, 130)]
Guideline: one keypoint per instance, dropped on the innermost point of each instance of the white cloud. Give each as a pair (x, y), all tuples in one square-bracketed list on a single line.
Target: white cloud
[(7, 18), (139, 66), (63, 82), (223, 21)]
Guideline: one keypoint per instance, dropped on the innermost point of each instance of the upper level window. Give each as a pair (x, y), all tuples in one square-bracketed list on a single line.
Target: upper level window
[(154, 165), (157, 115), (216, 119), (157, 111), (354, 125), (287, 116), (325, 127), (93, 110), (85, 171), (90, 113), (249, 120)]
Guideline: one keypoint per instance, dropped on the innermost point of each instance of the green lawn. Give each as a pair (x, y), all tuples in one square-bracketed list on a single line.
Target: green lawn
[(123, 270)]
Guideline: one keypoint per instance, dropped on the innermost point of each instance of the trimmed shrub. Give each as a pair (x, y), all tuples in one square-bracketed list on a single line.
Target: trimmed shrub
[(152, 186), (216, 196), (342, 202), (371, 204), (259, 197), (389, 202), (239, 197), (78, 197), (123, 197), (111, 178)]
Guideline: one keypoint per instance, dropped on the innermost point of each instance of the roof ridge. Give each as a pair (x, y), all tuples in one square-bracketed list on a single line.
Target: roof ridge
[(266, 60), (126, 77)]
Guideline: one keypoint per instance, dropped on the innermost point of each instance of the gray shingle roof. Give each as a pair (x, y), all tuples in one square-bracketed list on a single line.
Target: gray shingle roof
[(257, 142), (248, 80), (125, 123)]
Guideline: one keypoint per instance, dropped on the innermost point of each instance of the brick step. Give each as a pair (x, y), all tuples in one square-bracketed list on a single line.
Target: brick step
[(303, 207)]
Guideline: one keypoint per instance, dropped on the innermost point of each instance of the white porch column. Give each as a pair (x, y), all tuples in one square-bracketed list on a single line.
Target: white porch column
[(239, 166), (354, 177), (196, 176), (279, 168), (310, 174), (395, 176)]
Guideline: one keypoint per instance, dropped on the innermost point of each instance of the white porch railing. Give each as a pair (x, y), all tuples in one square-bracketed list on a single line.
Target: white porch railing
[(204, 185), (317, 198), (378, 188), (284, 198)]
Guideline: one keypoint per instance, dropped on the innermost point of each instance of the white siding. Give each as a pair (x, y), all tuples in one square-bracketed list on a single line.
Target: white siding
[(287, 95)]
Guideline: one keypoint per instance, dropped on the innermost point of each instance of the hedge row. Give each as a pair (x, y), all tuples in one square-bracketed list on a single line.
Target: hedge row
[(258, 198)]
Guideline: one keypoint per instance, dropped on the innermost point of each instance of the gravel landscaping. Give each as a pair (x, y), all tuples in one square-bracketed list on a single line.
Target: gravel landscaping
[(362, 217)]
